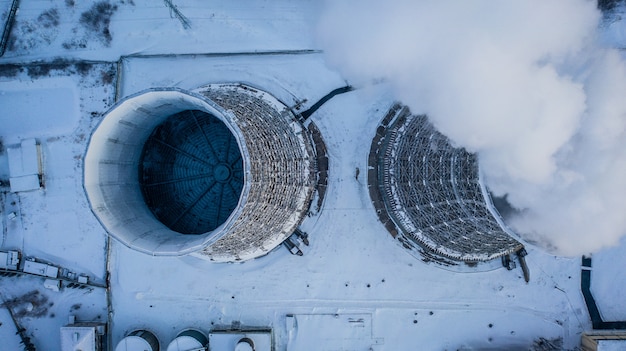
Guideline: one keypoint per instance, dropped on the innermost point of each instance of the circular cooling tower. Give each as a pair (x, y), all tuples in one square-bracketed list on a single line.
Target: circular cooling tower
[(429, 195), (224, 171)]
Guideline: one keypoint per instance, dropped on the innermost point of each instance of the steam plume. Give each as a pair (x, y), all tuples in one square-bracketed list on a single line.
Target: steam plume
[(523, 83)]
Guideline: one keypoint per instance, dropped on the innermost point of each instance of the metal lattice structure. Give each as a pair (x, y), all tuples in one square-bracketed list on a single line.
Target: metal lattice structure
[(432, 194), (281, 178)]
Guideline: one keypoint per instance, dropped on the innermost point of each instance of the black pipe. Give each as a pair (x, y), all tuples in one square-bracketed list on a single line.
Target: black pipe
[(592, 307), (306, 114)]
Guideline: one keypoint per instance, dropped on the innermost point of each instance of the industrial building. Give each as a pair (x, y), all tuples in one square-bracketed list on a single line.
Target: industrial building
[(83, 336), (25, 166)]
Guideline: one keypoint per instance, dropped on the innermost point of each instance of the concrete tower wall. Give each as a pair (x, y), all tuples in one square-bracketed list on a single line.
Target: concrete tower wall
[(111, 171)]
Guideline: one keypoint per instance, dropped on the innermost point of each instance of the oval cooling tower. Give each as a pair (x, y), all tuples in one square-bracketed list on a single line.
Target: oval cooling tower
[(221, 171)]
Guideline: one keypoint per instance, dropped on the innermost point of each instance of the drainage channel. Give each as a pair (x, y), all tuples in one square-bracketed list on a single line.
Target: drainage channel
[(594, 313)]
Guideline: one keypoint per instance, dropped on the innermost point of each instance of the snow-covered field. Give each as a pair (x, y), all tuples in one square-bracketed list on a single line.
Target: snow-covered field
[(352, 271)]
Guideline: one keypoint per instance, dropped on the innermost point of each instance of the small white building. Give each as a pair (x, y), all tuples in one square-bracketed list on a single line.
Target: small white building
[(82, 337), (42, 269), (9, 260), (52, 284), (25, 166)]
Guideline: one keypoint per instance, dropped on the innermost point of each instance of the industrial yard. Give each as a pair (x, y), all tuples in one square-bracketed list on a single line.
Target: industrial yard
[(312, 246)]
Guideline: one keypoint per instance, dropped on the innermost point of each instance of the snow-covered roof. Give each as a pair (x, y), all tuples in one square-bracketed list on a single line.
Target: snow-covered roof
[(24, 166), (41, 269), (75, 338), (611, 345)]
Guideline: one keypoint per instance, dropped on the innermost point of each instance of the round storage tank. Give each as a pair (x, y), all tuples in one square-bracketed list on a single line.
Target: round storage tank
[(245, 344), (190, 339), (224, 171), (138, 340)]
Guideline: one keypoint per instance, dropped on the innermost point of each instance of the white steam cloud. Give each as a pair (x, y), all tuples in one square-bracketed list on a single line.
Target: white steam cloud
[(523, 83)]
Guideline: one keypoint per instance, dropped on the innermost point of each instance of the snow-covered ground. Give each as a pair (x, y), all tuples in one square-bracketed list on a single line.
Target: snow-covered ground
[(352, 266), (352, 271), (73, 28)]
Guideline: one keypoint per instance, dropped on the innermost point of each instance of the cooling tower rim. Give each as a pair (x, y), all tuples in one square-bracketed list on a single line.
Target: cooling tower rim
[(248, 88), (210, 237), (258, 93), (492, 208)]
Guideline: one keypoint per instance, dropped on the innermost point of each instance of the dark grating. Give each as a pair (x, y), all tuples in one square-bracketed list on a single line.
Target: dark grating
[(191, 172)]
